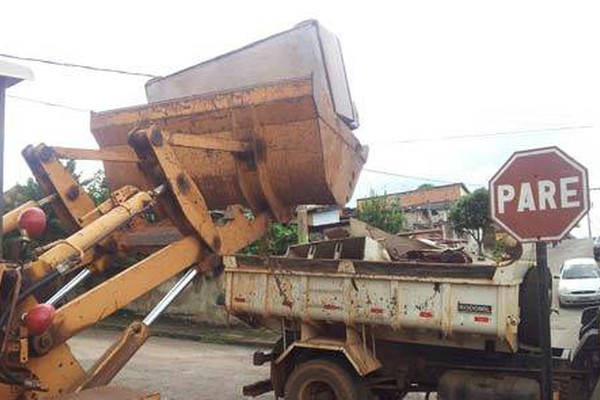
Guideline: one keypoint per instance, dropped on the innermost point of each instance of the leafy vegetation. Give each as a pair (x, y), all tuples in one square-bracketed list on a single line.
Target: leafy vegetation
[(97, 187), (382, 213), (470, 215), (425, 186), (275, 242)]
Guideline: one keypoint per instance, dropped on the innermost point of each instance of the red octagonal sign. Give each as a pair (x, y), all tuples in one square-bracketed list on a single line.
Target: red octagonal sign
[(539, 195)]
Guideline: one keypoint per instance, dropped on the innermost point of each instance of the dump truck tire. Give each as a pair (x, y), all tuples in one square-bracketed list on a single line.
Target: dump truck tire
[(324, 379)]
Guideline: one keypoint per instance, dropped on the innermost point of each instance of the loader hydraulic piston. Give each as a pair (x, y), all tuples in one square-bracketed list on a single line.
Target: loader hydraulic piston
[(77, 244), (10, 219)]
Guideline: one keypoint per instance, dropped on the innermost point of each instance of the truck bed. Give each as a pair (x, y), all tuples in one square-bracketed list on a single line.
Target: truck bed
[(460, 305)]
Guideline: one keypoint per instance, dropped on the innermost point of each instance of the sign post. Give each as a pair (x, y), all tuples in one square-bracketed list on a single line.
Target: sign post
[(541, 252), (539, 196)]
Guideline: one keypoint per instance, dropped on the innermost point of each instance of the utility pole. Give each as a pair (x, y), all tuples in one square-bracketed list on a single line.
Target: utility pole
[(10, 74), (589, 221)]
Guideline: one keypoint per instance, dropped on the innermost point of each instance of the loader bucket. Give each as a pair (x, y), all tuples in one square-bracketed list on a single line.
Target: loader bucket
[(308, 49), (261, 147), (267, 126)]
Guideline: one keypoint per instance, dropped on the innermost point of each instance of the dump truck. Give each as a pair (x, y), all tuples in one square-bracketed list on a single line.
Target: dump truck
[(221, 150), (355, 326)]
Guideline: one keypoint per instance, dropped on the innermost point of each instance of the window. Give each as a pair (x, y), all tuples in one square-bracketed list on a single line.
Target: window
[(581, 271)]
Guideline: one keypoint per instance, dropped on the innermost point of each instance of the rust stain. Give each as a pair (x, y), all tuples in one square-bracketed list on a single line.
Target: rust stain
[(288, 303), (297, 158)]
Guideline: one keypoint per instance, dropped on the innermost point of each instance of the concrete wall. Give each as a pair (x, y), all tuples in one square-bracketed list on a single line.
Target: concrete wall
[(196, 304)]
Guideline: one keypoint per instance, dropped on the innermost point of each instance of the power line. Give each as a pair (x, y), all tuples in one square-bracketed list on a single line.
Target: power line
[(48, 103), (82, 66), (420, 178), (484, 135)]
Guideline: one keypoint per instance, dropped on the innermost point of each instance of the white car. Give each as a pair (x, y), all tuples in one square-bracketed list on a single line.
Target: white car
[(579, 282)]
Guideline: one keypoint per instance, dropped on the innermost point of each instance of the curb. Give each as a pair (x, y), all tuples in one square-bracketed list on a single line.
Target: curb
[(250, 338)]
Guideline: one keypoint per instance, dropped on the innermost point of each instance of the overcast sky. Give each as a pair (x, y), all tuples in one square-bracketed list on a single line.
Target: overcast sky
[(417, 70)]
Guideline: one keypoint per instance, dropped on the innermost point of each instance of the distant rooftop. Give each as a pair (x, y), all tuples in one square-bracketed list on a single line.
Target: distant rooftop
[(432, 195)]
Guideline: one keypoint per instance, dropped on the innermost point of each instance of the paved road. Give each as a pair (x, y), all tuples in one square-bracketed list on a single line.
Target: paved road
[(182, 369), (565, 325), (178, 369)]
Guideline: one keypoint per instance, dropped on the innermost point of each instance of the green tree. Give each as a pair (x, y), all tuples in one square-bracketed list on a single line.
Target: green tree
[(275, 242), (382, 213), (425, 186), (97, 187), (471, 215)]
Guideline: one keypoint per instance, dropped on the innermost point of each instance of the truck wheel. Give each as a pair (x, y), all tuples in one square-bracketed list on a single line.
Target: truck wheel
[(323, 380)]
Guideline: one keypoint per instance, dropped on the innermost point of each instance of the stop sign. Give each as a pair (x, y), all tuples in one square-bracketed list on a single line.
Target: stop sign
[(539, 195)]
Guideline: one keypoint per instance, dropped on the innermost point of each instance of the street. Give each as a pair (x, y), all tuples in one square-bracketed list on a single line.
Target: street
[(178, 369), (565, 324), (181, 369)]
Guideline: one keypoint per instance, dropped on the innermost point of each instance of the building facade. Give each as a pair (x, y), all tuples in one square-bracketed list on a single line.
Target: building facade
[(425, 208)]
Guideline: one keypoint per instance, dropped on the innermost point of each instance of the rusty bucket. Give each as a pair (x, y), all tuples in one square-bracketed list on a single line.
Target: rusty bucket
[(265, 147), (268, 126)]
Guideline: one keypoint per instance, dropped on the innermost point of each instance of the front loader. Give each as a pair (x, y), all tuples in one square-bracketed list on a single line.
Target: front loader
[(192, 178)]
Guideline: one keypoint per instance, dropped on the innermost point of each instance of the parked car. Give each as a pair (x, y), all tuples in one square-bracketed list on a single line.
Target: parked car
[(579, 282), (597, 248)]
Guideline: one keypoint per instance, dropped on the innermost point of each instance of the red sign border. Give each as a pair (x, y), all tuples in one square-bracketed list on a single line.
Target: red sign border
[(543, 150)]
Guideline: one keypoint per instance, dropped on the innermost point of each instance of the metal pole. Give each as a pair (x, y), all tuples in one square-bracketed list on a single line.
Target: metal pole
[(590, 221), (544, 326), (169, 297), (302, 224), (80, 277), (2, 102)]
